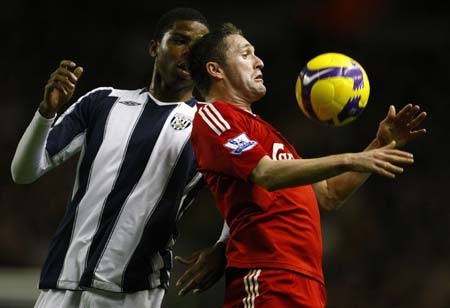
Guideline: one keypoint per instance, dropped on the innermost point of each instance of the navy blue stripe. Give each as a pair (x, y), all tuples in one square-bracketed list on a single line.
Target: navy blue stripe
[(137, 154), (74, 123), (60, 243), (164, 277), (161, 225)]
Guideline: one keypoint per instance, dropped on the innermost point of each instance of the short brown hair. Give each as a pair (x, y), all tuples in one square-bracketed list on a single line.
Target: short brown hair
[(211, 47)]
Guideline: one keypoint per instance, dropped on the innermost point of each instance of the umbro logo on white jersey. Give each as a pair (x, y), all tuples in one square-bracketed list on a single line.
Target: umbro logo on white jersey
[(130, 103)]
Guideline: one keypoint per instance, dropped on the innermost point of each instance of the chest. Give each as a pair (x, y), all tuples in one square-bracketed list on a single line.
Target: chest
[(276, 145)]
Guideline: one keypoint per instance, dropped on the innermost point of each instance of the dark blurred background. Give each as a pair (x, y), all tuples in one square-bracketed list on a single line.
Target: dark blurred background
[(388, 247)]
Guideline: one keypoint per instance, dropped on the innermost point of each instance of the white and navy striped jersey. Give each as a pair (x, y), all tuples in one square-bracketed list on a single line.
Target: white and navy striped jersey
[(136, 174)]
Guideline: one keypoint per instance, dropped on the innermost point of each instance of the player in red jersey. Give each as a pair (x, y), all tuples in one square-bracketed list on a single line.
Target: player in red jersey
[(269, 196)]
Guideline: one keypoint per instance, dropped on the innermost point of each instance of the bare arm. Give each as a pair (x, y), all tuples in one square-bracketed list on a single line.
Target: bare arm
[(401, 127), (277, 174)]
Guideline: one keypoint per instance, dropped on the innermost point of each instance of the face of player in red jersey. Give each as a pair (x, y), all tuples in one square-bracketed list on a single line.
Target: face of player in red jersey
[(170, 53), (243, 69)]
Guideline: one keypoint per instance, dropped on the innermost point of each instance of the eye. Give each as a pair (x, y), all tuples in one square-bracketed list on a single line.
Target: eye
[(178, 40)]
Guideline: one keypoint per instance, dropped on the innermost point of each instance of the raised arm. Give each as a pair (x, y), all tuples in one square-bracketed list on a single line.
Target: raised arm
[(30, 161), (401, 127)]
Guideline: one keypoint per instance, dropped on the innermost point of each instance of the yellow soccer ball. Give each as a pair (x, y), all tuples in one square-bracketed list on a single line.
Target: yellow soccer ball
[(332, 89)]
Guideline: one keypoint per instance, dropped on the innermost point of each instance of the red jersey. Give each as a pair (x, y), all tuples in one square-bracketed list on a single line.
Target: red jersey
[(279, 229)]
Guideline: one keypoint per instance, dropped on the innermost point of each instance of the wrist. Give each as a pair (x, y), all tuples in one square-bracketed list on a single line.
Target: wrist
[(222, 244), (347, 161), (375, 144), (46, 111)]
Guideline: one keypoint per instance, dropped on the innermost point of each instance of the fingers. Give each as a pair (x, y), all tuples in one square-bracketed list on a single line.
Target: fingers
[(67, 64), (404, 111), (387, 169), (198, 282), (417, 120), (190, 281), (387, 162), (67, 74), (189, 260), (65, 77)]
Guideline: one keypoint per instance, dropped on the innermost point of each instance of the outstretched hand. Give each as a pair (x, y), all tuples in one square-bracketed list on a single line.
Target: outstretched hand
[(60, 87), (383, 161), (207, 266), (401, 127)]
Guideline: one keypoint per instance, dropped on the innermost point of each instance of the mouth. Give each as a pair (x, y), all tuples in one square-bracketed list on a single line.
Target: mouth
[(259, 77), (183, 70)]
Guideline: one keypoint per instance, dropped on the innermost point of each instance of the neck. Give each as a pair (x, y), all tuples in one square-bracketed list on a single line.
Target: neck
[(170, 92), (229, 97)]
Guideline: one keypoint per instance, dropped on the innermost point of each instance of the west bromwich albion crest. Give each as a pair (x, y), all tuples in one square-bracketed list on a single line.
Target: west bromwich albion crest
[(180, 121)]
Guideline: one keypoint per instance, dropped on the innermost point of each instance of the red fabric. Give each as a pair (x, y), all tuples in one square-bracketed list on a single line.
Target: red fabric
[(272, 288), (279, 229)]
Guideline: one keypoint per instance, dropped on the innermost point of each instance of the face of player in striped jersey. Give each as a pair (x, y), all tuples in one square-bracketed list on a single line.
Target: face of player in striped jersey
[(243, 70), (170, 53)]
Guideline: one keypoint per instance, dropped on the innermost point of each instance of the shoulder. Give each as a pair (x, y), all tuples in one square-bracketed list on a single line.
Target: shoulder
[(217, 117), (97, 94)]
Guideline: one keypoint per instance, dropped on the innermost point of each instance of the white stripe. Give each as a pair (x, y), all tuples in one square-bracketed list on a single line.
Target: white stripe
[(209, 122), (72, 107), (104, 172), (255, 287), (142, 202), (219, 116), (214, 119), (245, 300), (251, 288), (187, 189)]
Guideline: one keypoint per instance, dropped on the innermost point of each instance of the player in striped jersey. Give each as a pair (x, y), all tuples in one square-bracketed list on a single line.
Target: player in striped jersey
[(136, 176), (267, 193)]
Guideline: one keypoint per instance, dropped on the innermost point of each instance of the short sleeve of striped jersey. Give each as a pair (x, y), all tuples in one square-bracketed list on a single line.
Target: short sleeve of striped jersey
[(224, 141)]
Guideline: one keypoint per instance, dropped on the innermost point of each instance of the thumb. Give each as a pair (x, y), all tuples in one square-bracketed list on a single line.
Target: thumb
[(391, 112), (78, 71), (391, 145), (187, 261)]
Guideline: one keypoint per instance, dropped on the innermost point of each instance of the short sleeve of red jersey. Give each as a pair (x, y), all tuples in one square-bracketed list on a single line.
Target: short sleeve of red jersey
[(224, 142)]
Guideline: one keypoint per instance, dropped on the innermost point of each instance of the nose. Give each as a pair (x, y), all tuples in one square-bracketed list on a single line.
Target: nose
[(259, 63), (187, 47)]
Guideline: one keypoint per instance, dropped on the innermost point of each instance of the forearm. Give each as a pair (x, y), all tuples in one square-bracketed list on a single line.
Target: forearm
[(338, 189), (26, 165), (278, 174)]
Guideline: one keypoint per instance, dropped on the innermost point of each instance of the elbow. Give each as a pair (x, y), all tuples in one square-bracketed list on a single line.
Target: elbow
[(266, 180), (330, 203), (20, 178)]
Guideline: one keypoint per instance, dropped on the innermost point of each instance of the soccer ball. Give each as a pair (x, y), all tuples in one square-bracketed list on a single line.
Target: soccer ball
[(332, 89)]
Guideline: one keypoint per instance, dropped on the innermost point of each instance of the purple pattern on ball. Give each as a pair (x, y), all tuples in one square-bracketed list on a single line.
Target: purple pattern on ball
[(351, 109), (354, 72)]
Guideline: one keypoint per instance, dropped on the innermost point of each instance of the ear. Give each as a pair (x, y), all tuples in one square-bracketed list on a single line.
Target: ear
[(153, 48), (214, 70)]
